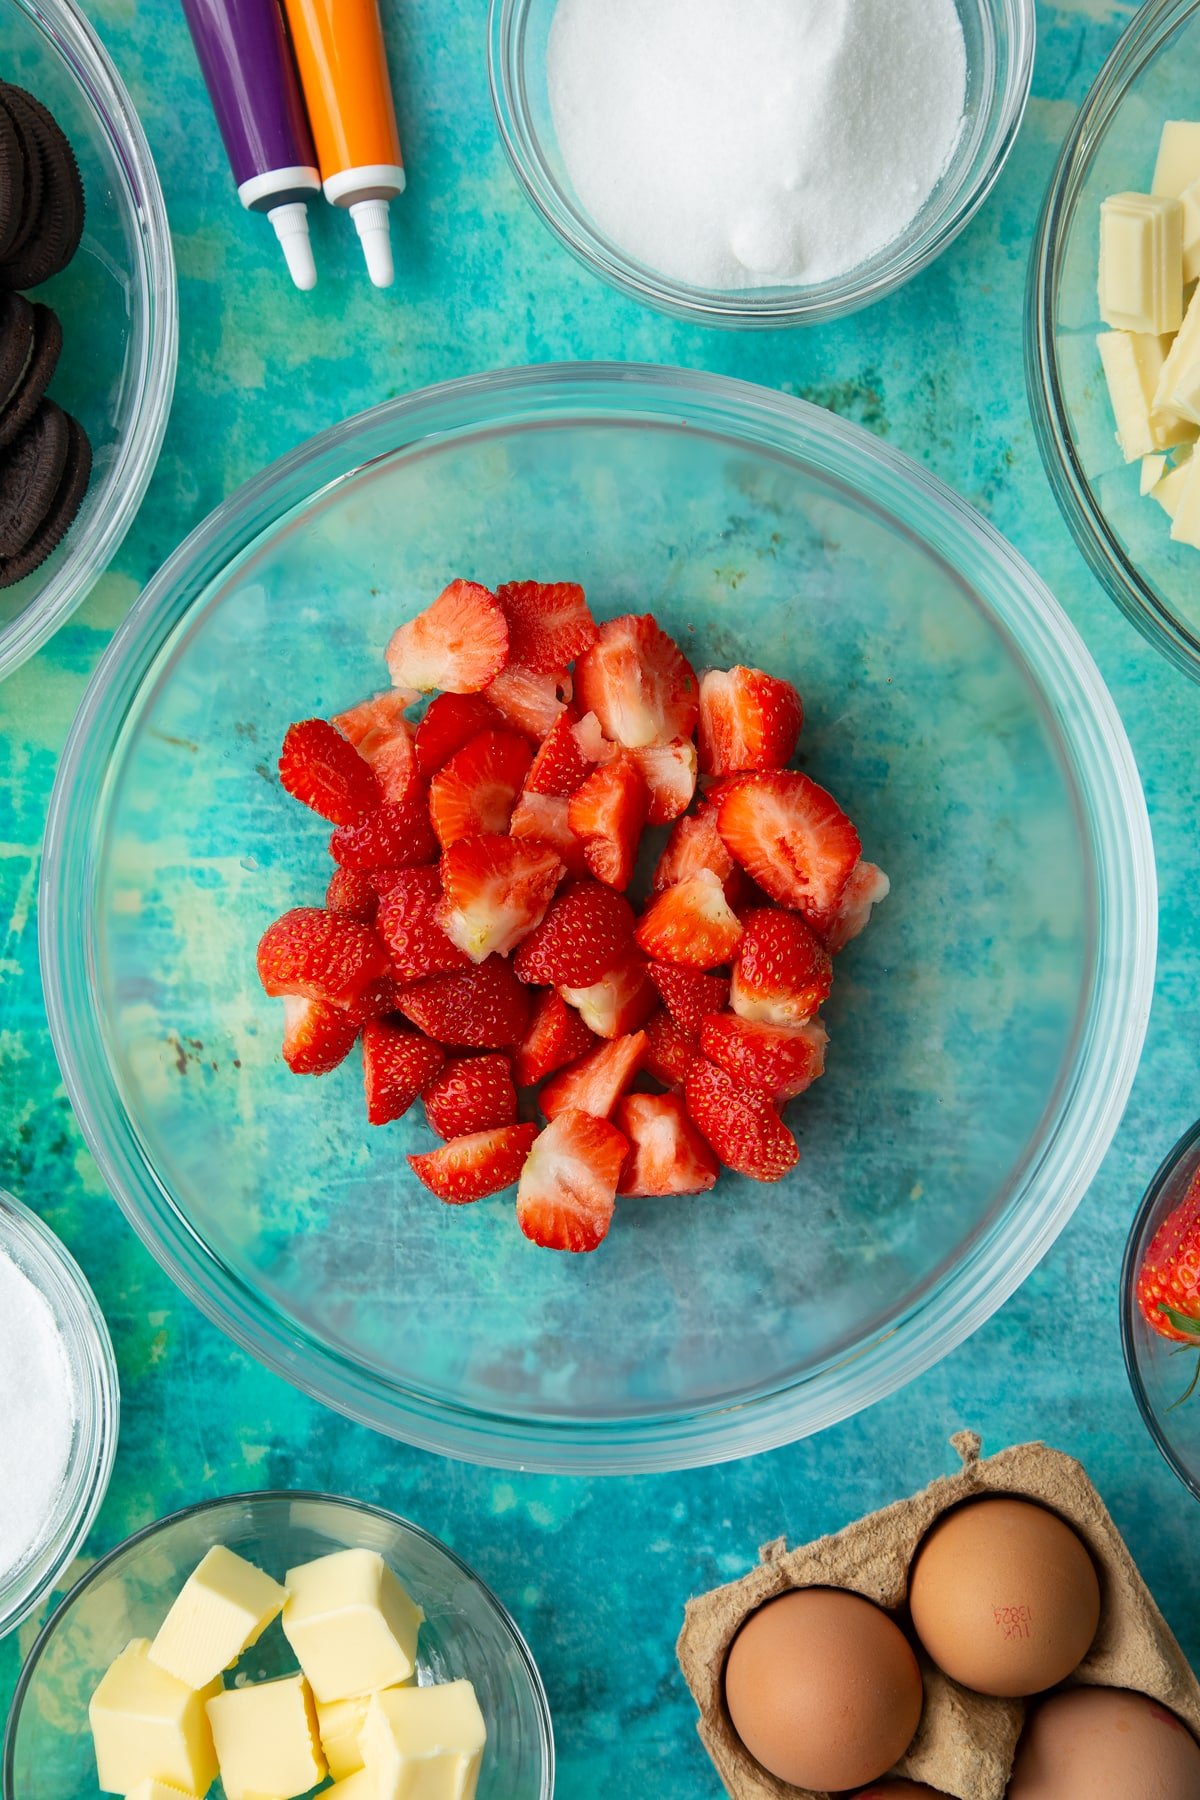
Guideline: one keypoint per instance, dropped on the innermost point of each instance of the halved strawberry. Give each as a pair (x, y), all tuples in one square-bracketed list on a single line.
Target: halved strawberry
[(669, 772), (866, 887), (556, 1036), (667, 1155), (458, 644), (792, 837), (695, 844), (748, 720), (320, 955), (471, 1093), (451, 720), (568, 1188), (376, 1000), (544, 816), (783, 973), (670, 1050), (638, 683), (561, 765), (397, 836), (353, 895), (741, 1126), (530, 701), (607, 814), (325, 773), (484, 1007), (587, 931), (373, 720), (472, 1167), (549, 622), (691, 923), (595, 1083), (497, 889), (383, 737), (475, 791), (688, 995), (619, 1002), (775, 1060), (316, 1036), (397, 1064), (409, 922)]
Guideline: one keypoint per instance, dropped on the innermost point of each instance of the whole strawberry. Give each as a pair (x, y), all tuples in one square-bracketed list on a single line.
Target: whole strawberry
[(1168, 1283)]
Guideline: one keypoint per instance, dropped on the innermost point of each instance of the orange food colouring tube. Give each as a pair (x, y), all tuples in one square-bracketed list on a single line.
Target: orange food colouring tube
[(343, 69)]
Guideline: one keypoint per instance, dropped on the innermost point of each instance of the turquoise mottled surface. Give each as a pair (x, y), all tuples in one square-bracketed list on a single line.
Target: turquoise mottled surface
[(595, 1572)]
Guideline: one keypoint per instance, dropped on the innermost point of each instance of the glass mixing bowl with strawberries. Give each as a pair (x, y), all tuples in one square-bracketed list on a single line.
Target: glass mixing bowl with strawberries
[(1160, 1308)]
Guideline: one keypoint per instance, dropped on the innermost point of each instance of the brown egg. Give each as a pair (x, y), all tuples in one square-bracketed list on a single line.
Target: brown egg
[(1108, 1745), (901, 1790), (823, 1688), (1004, 1597)]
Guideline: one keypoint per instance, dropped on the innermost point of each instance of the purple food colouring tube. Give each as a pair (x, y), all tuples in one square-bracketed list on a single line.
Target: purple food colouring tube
[(247, 65)]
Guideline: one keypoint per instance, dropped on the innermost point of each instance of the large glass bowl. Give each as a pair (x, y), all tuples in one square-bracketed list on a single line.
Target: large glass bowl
[(1150, 77), (985, 1030), (1000, 36), (116, 301), (467, 1634)]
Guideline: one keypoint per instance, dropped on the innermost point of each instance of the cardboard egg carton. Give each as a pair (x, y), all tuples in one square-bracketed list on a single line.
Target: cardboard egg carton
[(966, 1742)]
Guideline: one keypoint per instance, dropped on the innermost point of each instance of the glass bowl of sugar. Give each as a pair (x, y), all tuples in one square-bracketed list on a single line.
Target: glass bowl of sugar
[(775, 163), (59, 1410)]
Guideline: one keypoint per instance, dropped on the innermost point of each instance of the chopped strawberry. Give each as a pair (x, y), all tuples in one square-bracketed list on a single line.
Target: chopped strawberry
[(458, 644), (377, 999), (472, 1167), (373, 720), (471, 1093), (748, 720), (783, 973), (484, 1007), (556, 1036), (450, 722), (316, 1036), (638, 683), (353, 895), (397, 836), (688, 995), (776, 1060), (544, 816), (497, 890), (669, 772), (561, 765), (568, 1189), (397, 1064), (607, 814), (320, 955), (691, 923), (866, 887), (325, 773), (383, 736), (619, 1002), (670, 1050), (587, 931), (383, 879), (793, 838), (695, 844), (475, 791), (595, 1083), (549, 622), (742, 1127), (529, 701), (409, 923), (667, 1155)]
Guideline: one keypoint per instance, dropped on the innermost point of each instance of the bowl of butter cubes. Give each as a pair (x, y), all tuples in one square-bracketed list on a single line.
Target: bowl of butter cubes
[(280, 1645), (1113, 328)]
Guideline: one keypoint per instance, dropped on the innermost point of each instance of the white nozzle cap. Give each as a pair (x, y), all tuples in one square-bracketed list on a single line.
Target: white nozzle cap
[(374, 228), (291, 228)]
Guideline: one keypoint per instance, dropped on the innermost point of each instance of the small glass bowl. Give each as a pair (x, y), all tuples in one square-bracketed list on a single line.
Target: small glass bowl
[(1161, 1371), (57, 1277), (467, 1634), (116, 300), (1000, 37)]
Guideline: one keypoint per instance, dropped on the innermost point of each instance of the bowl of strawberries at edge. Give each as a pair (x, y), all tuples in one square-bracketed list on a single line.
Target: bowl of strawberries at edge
[(1160, 1309)]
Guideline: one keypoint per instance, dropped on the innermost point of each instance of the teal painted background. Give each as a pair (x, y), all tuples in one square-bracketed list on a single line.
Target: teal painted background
[(595, 1572)]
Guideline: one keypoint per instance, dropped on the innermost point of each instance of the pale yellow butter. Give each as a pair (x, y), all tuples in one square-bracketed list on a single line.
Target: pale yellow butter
[(156, 1790), (267, 1739), (358, 1786), (340, 1722), (1133, 364), (1153, 470), (1178, 163), (351, 1624), (223, 1608), (1141, 263), (425, 1743), (1185, 520), (149, 1727)]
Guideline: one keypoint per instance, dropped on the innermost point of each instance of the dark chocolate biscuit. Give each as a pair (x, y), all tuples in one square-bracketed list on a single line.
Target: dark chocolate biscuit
[(16, 344), (63, 508), (39, 371), (12, 182), (30, 471), (33, 190), (55, 236)]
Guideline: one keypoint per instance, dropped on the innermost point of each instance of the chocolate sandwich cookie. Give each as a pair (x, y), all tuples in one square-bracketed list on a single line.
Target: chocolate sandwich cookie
[(68, 498), (38, 373), (55, 234), (17, 336), (15, 107), (30, 472), (12, 182)]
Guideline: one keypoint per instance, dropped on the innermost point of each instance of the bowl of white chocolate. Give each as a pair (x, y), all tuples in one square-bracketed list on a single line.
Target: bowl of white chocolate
[(280, 1644), (1113, 328)]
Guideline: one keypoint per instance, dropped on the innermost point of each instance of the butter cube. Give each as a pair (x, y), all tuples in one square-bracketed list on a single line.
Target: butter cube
[(340, 1722), (1153, 470), (223, 1608), (1178, 162), (351, 1624), (1133, 365), (1185, 521), (425, 1743), (1141, 263), (149, 1727), (155, 1790), (267, 1741), (358, 1786)]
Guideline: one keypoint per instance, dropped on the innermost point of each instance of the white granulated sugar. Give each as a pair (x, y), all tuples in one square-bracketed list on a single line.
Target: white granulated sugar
[(744, 143), (37, 1416)]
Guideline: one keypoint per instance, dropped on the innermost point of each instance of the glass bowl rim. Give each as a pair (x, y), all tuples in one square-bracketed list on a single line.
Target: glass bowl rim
[(1120, 983), (89, 554), (782, 306), (251, 1498)]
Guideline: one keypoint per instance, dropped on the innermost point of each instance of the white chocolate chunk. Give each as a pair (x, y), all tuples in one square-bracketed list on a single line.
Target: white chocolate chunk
[(1190, 202), (154, 1790), (223, 1608), (1153, 470), (1133, 365), (147, 1726), (267, 1741), (1176, 391), (425, 1743), (1178, 162), (1141, 263), (1185, 520), (351, 1624), (1170, 490)]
